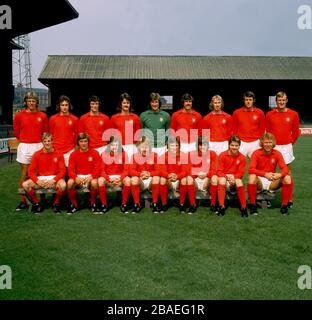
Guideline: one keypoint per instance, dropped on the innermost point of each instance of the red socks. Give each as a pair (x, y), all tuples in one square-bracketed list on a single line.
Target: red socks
[(163, 190), (252, 192), (213, 194), (221, 194), (183, 189), (135, 190), (72, 196), (241, 196), (155, 192), (93, 193), (22, 196), (191, 193), (102, 193), (32, 195), (286, 193), (125, 194), (59, 195)]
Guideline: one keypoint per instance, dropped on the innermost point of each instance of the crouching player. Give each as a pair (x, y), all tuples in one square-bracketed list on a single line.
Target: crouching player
[(204, 170), (176, 170), (263, 175), (144, 174), (114, 173), (47, 170), (83, 171), (231, 169)]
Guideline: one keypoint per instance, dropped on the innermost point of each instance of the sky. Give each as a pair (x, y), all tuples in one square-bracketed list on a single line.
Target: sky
[(176, 27)]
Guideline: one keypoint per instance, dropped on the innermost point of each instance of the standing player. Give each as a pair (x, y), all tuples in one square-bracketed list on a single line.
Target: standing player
[(28, 127), (263, 175), (64, 128), (203, 163), (174, 167), (283, 123), (127, 123), (83, 171), (114, 173), (220, 125), (47, 171), (144, 174), (155, 123), (231, 169), (248, 124), (94, 123), (185, 123)]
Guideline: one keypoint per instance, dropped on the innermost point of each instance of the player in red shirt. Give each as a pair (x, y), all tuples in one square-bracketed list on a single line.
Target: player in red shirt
[(145, 174), (263, 175), (219, 124), (47, 170), (185, 123), (64, 128), (28, 127), (127, 123), (114, 173), (248, 124), (175, 168), (95, 123), (83, 171), (204, 170), (283, 123), (231, 169)]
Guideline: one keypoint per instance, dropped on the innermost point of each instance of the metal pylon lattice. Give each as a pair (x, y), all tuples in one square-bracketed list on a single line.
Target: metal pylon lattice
[(22, 66)]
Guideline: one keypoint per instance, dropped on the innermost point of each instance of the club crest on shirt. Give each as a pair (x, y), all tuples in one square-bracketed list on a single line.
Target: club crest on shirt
[(130, 121), (287, 119), (273, 161), (224, 121), (70, 122), (194, 120), (55, 159), (237, 162), (39, 119), (90, 159), (255, 117), (101, 122), (161, 119)]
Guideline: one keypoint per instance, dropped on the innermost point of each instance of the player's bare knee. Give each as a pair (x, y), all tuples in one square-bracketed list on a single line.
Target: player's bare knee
[(239, 183), (252, 179), (163, 181), (183, 181), (127, 181), (101, 182), (94, 184), (287, 179), (189, 180), (70, 183), (214, 180), (135, 181), (156, 180)]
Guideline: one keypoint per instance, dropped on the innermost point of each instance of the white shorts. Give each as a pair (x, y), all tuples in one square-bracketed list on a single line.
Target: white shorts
[(114, 176), (100, 150), (160, 150), (25, 151), (146, 184), (188, 147), (201, 183), (66, 156), (130, 150), (247, 148), (82, 176), (46, 178), (174, 185), (287, 152), (265, 183), (218, 147)]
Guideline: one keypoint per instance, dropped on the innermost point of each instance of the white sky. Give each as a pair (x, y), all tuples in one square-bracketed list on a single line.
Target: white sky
[(176, 27)]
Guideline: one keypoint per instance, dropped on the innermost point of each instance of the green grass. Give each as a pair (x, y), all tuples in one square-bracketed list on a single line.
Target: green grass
[(158, 257)]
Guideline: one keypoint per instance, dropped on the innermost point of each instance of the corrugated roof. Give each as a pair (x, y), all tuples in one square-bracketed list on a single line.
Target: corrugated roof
[(176, 67)]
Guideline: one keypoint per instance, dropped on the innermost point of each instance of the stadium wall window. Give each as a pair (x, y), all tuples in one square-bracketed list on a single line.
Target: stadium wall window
[(166, 102)]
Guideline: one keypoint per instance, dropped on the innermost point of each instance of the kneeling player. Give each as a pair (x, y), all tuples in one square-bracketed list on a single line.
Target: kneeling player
[(114, 173), (176, 170), (83, 171), (144, 174), (47, 170), (231, 169), (204, 170), (263, 175)]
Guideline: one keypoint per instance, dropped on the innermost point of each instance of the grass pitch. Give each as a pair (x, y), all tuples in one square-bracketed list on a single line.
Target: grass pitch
[(158, 256)]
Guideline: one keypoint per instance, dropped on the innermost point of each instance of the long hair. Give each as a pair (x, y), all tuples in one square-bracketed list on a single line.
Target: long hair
[(60, 100), (127, 97)]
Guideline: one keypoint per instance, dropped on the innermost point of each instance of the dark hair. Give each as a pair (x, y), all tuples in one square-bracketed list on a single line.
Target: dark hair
[(113, 139), (94, 98), (82, 136), (125, 96), (201, 140), (154, 96), (186, 97), (173, 139), (235, 138), (249, 94), (60, 100)]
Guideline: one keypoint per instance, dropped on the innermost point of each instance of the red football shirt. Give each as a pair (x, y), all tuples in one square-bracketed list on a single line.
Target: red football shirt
[(114, 164), (171, 163), (94, 126), (283, 125), (29, 126), (64, 129), (140, 163), (262, 163), (248, 125), (229, 164), (47, 164), (206, 162)]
